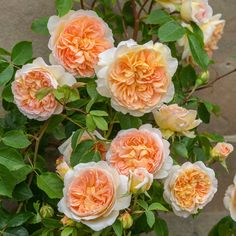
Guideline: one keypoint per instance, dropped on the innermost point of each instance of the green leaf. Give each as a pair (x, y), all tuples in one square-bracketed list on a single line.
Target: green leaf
[(188, 76), (150, 218), (19, 219), (76, 138), (22, 192), (16, 139), (51, 184), (7, 93), (160, 227), (7, 182), (127, 12), (43, 93), (6, 75), (40, 25), (180, 149), (90, 124), (21, 173), (117, 227), (21, 53), (128, 121), (171, 31), (67, 231), (4, 52), (98, 113), (63, 6), (11, 158), (92, 90), (214, 137), (197, 50), (82, 149), (4, 217), (51, 223), (158, 17), (157, 206), (100, 122), (143, 204), (18, 231), (203, 113)]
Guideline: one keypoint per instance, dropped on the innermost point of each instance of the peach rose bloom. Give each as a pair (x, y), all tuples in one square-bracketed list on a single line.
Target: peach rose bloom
[(30, 79), (137, 78), (94, 193), (198, 11), (77, 39), (140, 148), (189, 188), (174, 118), (171, 5), (66, 149), (140, 180), (222, 150), (212, 33), (230, 199)]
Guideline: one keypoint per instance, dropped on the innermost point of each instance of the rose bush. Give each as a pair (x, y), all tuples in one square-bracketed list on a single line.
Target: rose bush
[(106, 137)]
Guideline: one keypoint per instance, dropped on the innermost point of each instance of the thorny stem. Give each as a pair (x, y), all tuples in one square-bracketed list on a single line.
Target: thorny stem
[(141, 8), (111, 126), (150, 7), (36, 149)]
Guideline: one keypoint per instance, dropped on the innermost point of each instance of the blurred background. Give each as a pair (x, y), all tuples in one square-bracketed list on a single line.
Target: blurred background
[(15, 21)]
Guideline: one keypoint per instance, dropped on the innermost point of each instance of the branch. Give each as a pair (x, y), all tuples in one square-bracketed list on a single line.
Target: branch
[(217, 79), (150, 7), (141, 8), (82, 4), (93, 4)]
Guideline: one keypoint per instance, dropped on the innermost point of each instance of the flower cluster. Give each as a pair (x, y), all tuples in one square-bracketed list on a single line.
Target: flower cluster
[(121, 118)]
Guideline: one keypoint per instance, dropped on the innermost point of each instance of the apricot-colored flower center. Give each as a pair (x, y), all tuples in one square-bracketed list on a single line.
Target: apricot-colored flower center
[(191, 188), (133, 150), (80, 43), (91, 193), (138, 79), (26, 88)]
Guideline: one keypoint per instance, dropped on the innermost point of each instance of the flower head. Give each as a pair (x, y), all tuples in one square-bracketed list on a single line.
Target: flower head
[(174, 118), (94, 193), (189, 188), (198, 11), (222, 150), (140, 180), (230, 199), (30, 79), (140, 148), (137, 78), (172, 5), (76, 40)]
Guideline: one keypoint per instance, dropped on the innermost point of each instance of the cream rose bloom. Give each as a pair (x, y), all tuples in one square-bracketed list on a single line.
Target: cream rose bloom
[(66, 149), (77, 39), (189, 188), (230, 199), (94, 193), (33, 77), (198, 11), (140, 148), (140, 180), (222, 150), (172, 5), (137, 78), (174, 118), (212, 32)]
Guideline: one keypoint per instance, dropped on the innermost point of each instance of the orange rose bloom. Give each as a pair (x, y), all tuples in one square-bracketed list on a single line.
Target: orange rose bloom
[(77, 39), (143, 148)]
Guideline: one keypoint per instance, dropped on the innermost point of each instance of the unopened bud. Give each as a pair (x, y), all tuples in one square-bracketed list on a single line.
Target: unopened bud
[(203, 78), (126, 220), (46, 211), (67, 221)]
